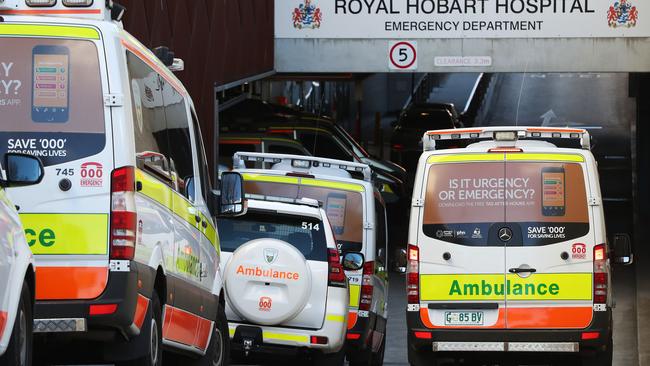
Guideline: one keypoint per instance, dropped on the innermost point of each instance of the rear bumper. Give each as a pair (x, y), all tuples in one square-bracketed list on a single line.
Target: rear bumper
[(281, 340), (554, 338), (121, 289)]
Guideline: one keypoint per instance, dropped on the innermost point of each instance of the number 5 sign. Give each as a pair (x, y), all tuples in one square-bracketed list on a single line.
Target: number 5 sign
[(403, 55)]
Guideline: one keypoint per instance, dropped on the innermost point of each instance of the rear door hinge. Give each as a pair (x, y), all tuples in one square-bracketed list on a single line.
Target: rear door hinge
[(113, 100), (418, 202), (368, 225), (595, 201)]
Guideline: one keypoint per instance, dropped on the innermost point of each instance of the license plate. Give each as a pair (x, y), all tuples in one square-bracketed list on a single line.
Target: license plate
[(464, 318)]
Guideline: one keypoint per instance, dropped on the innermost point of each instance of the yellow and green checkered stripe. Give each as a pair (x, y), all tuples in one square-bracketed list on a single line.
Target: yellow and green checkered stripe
[(167, 197)]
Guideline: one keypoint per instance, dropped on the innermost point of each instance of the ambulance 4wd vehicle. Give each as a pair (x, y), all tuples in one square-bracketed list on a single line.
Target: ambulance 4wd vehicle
[(16, 266), (286, 290), (357, 214), (121, 227), (509, 252)]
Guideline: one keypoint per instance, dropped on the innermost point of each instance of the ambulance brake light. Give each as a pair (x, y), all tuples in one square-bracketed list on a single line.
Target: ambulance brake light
[(40, 3), (78, 3), (336, 276), (601, 280), (413, 275), (102, 309), (123, 224)]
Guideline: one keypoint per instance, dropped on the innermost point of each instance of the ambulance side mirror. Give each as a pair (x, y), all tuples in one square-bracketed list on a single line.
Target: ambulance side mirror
[(22, 170), (623, 249), (232, 201)]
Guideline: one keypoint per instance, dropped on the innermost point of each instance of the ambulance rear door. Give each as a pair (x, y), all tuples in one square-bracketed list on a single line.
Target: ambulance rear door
[(461, 259), (549, 242), (54, 109)]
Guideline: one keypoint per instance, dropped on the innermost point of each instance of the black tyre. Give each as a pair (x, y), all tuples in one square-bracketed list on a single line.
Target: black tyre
[(422, 358), (330, 359), (218, 352), (602, 357), (378, 358), (154, 354), (19, 352)]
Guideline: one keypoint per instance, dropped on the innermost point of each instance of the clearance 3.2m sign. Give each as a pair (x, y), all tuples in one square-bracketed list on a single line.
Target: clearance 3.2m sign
[(403, 19)]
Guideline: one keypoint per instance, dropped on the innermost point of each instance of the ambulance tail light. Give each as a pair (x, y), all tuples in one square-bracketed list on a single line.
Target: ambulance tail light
[(365, 303), (123, 214), (413, 275), (336, 273), (600, 274)]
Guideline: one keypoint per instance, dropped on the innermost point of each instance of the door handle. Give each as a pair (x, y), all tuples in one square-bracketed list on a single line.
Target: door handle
[(522, 270)]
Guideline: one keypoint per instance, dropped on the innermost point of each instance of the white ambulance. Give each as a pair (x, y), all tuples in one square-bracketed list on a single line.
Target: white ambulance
[(357, 214), (286, 290), (508, 247), (122, 226), (16, 265)]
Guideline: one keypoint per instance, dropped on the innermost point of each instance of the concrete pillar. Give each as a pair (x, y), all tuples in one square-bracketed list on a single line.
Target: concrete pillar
[(641, 247)]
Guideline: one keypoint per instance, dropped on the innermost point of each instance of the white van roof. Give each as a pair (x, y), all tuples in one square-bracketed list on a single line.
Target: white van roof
[(304, 164), (78, 9), (506, 136)]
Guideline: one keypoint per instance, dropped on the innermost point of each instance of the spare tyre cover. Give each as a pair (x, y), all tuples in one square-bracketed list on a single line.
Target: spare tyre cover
[(268, 281)]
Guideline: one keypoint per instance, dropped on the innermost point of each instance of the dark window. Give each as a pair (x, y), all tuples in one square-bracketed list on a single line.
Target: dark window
[(324, 145), (150, 129), (180, 145), (206, 186), (227, 150), (428, 120), (306, 234), (285, 149), (380, 233)]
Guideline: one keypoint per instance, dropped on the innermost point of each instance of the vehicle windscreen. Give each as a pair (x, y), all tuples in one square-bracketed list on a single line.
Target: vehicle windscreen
[(428, 120), (465, 202), (304, 233), (344, 208), (51, 102)]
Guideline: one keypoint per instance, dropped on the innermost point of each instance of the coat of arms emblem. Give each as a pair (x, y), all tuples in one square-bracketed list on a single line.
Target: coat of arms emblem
[(307, 15), (622, 14), (270, 255)]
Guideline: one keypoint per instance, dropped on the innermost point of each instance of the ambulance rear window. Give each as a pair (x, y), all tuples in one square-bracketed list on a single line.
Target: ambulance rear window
[(51, 99), (344, 208), (542, 202), (304, 233)]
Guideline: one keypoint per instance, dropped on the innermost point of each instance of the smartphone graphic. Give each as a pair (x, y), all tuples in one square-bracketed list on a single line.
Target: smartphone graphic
[(50, 84), (335, 209), (553, 192)]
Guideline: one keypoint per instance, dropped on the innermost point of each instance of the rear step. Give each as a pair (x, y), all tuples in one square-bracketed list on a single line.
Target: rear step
[(65, 325)]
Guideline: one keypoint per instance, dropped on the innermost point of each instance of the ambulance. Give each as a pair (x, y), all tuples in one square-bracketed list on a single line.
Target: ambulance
[(357, 213), (286, 289), (122, 227), (508, 248), (16, 265)]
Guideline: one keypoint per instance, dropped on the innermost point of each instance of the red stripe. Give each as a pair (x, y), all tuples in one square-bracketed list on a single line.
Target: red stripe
[(51, 11), (186, 328), (140, 311), (3, 322)]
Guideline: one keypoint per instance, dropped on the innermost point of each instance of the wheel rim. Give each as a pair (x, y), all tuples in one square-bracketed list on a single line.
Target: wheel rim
[(22, 338), (217, 355), (154, 342)]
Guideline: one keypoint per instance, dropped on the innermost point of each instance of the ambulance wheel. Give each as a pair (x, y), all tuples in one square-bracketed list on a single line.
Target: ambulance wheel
[(154, 354), (360, 358), (422, 358), (330, 359), (218, 352), (601, 357), (378, 358), (19, 352)]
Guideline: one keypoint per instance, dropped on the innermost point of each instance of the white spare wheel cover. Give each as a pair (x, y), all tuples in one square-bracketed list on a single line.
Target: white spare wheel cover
[(268, 281)]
